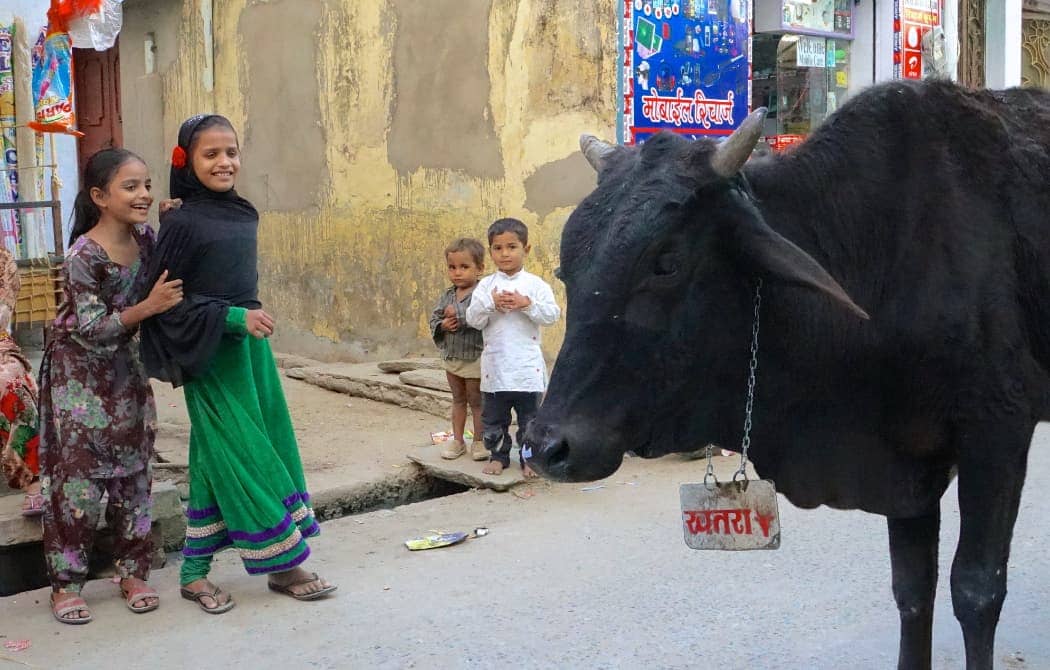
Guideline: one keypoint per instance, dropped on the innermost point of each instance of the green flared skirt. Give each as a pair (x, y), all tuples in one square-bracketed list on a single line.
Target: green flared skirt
[(247, 489)]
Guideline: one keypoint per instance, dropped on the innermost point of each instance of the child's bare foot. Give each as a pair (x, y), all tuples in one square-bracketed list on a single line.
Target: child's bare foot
[(493, 468), (528, 473)]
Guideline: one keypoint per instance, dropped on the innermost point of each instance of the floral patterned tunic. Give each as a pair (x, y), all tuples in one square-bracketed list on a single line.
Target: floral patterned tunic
[(97, 417)]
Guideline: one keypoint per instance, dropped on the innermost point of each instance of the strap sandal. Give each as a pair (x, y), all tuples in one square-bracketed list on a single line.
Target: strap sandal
[(220, 607), (286, 589), (33, 504), (78, 605), (136, 593)]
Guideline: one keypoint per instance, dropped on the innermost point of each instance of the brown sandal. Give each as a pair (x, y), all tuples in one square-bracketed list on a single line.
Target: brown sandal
[(196, 596), (77, 604), (286, 589), (137, 593)]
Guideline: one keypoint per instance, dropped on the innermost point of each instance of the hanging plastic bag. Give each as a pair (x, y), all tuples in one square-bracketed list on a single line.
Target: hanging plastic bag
[(52, 87), (98, 29)]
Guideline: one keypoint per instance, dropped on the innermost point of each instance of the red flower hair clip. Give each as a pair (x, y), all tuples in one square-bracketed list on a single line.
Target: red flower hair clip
[(178, 158)]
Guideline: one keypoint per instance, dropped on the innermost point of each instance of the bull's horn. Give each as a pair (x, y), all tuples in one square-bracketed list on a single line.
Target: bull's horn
[(731, 154), (595, 151)]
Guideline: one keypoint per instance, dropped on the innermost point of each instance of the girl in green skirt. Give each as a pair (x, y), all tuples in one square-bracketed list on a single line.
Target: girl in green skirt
[(247, 489)]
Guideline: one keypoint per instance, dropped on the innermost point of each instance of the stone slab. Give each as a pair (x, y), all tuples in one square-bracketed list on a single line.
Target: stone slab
[(407, 364), (364, 380), (289, 361), (428, 379), (466, 471)]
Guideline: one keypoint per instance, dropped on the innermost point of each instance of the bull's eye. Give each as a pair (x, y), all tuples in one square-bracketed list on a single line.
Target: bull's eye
[(666, 264)]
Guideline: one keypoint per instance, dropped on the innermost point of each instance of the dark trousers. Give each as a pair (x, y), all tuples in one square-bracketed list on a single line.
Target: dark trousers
[(72, 511), (495, 420)]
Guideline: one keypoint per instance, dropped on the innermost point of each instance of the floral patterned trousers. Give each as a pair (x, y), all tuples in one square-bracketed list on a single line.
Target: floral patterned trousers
[(72, 511)]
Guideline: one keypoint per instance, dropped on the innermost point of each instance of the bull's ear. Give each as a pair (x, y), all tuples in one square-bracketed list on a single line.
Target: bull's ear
[(762, 247)]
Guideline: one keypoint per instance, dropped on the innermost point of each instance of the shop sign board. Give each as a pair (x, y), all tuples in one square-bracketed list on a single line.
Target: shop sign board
[(685, 67), (812, 52), (912, 22)]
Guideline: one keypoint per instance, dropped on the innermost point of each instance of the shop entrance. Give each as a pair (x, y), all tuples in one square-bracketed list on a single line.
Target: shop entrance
[(800, 79), (97, 98)]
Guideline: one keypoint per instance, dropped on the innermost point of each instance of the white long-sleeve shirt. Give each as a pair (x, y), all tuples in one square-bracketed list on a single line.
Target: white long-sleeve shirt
[(512, 359)]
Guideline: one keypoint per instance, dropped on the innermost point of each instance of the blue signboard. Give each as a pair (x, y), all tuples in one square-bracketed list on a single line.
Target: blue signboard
[(685, 67)]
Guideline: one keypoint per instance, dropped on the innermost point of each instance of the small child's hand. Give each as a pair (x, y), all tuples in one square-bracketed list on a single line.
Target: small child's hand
[(450, 311), (450, 324), (514, 301), (497, 300)]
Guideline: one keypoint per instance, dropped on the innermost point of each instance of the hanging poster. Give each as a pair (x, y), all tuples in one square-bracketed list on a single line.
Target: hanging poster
[(9, 158), (53, 87), (685, 67), (912, 21)]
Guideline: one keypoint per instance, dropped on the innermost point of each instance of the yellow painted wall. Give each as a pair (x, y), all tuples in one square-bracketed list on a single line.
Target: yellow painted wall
[(379, 132)]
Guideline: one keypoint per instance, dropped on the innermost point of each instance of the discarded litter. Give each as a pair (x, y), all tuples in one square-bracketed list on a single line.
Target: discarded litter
[(440, 539), (593, 488), (435, 541), (17, 645), (446, 435), (524, 495)]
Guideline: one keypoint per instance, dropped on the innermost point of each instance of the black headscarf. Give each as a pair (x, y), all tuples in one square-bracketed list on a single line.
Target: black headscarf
[(210, 244)]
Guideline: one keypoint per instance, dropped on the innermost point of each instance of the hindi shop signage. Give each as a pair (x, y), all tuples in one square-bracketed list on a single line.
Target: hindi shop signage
[(730, 516), (912, 22), (684, 68)]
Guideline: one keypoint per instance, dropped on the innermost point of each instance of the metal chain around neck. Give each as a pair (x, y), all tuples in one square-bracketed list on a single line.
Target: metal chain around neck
[(745, 443)]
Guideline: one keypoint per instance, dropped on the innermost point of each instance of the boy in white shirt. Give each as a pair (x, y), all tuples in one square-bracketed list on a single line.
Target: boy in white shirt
[(509, 307)]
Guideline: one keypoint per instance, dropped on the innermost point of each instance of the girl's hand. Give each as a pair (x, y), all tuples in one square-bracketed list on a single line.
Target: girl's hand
[(168, 205), (164, 295), (259, 323)]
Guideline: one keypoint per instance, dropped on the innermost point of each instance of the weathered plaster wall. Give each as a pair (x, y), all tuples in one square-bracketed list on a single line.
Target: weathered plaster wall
[(375, 131)]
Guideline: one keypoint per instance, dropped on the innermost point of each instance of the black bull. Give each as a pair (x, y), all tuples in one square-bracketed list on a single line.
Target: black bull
[(924, 204)]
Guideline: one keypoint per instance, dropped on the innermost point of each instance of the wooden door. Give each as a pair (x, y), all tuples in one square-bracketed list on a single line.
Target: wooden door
[(96, 76)]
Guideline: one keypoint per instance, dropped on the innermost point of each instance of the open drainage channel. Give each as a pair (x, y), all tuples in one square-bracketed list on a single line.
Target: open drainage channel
[(22, 566)]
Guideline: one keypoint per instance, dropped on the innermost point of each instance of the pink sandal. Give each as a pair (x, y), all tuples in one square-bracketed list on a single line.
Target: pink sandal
[(33, 504)]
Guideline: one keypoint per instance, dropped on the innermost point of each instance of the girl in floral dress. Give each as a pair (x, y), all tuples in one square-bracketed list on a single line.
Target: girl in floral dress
[(97, 417)]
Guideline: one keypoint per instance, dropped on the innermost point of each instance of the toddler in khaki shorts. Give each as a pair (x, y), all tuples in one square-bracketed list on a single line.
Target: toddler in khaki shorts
[(460, 344)]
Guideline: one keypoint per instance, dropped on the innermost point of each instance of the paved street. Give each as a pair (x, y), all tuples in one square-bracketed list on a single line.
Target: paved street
[(566, 579)]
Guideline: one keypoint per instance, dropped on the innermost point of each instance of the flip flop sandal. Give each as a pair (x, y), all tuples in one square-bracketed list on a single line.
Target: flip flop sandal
[(140, 593), (33, 505), (196, 596), (72, 605), (286, 589)]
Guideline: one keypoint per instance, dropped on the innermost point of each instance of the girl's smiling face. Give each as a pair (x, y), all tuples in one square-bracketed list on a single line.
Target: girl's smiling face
[(216, 158), (127, 196)]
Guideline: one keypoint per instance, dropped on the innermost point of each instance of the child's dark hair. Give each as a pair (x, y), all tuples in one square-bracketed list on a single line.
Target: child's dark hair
[(99, 171), (500, 226), (471, 246)]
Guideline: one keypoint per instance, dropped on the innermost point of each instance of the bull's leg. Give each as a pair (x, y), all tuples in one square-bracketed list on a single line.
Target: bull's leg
[(989, 493), (913, 557)]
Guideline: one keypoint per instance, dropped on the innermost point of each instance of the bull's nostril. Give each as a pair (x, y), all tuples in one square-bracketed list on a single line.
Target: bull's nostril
[(557, 454)]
